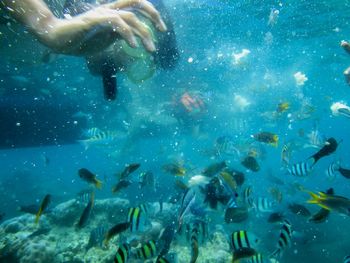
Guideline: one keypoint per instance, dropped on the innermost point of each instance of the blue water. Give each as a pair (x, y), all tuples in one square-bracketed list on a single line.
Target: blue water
[(306, 37)]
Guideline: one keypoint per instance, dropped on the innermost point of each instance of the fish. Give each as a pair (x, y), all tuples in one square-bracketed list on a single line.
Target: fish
[(96, 237), (174, 169), (332, 170), (86, 212), (120, 185), (84, 196), (136, 219), (194, 242), (262, 204), (103, 138), (236, 214), (147, 250), (123, 254), (162, 260), (91, 132), (276, 217), (165, 239), (214, 169), (346, 259), (226, 145), (344, 111), (334, 203), (89, 177), (145, 179), (267, 137), (251, 163), (187, 201), (237, 176), (247, 196), (43, 206), (344, 172), (129, 169), (243, 253), (284, 240), (229, 182), (282, 107), (330, 146), (316, 139), (301, 169), (115, 230), (299, 209), (258, 258), (243, 239), (285, 155)]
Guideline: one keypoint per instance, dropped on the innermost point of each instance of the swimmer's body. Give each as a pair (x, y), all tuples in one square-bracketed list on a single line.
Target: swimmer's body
[(90, 31), (346, 45)]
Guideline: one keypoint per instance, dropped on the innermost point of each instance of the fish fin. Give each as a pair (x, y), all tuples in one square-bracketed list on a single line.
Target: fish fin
[(98, 184), (315, 199), (322, 195)]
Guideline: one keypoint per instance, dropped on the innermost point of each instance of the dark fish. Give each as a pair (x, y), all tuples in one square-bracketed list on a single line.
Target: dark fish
[(96, 237), (245, 252), (123, 254), (30, 209), (120, 185), (89, 177), (251, 163), (162, 260), (186, 202), (44, 204), (236, 214), (115, 230), (165, 239), (213, 169), (299, 210), (346, 259), (238, 177), (285, 239), (322, 215), (130, 168), (330, 147), (194, 242), (266, 137), (276, 217), (145, 179), (147, 250), (174, 169), (344, 172), (86, 212), (210, 192)]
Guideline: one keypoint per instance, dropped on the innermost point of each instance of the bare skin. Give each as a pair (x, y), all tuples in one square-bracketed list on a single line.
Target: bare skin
[(346, 45), (89, 32)]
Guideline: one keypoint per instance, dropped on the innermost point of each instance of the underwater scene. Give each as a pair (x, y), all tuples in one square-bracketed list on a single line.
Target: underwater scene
[(220, 135)]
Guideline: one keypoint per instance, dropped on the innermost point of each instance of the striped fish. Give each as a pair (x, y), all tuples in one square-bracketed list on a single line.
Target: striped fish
[(258, 258), (100, 139), (162, 260), (243, 239), (332, 171), (300, 169), (96, 237), (84, 196), (147, 250), (263, 204), (285, 239), (194, 242), (91, 132), (136, 218), (123, 254), (247, 196), (346, 259)]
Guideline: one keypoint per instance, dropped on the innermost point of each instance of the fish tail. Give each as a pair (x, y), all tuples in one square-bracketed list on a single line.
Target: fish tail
[(38, 215), (315, 199), (98, 184)]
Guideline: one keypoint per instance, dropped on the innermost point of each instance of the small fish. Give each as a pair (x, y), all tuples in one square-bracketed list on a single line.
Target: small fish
[(258, 258), (282, 107), (115, 230), (301, 169), (194, 242), (263, 204), (267, 137), (285, 239), (236, 214), (84, 196), (86, 212), (89, 177), (344, 172), (229, 183), (285, 155), (238, 177), (214, 168), (299, 209), (243, 253), (165, 239), (43, 206), (120, 185), (137, 219), (226, 145), (187, 201), (276, 217), (346, 259), (96, 237), (251, 163), (334, 203), (332, 169), (162, 260), (146, 179), (243, 239), (174, 169), (129, 169), (330, 146), (123, 254), (100, 139), (91, 132), (247, 196), (147, 250)]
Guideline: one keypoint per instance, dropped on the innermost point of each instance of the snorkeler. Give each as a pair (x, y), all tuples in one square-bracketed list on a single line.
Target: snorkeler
[(119, 57), (346, 45), (91, 31)]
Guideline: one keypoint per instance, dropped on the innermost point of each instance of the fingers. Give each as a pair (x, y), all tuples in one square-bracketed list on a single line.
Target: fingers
[(144, 7), (140, 29)]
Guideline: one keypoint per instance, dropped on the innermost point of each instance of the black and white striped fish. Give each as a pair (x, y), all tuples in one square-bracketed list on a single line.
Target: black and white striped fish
[(346, 259), (263, 204), (247, 196), (243, 239), (147, 250), (194, 242), (332, 170), (123, 254), (300, 169), (284, 240)]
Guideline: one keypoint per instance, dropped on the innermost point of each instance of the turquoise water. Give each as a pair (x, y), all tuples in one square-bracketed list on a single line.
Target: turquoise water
[(153, 128)]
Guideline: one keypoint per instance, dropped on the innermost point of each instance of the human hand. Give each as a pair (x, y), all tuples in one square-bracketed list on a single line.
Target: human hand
[(344, 44), (99, 27)]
